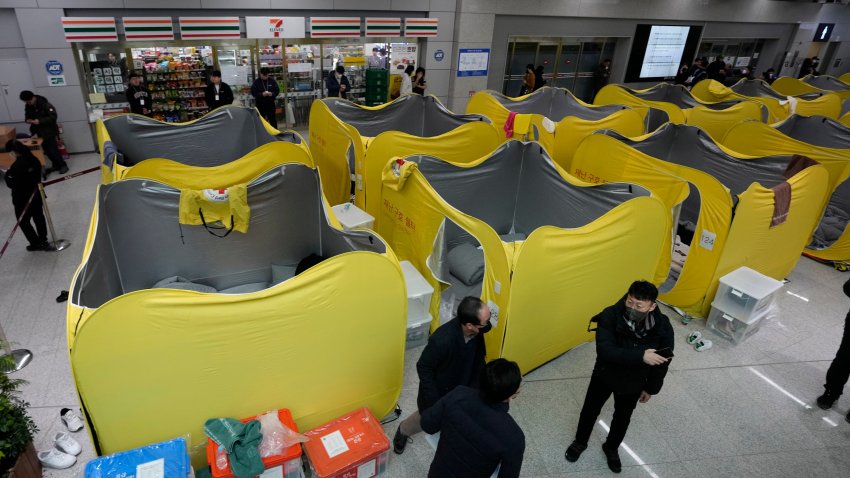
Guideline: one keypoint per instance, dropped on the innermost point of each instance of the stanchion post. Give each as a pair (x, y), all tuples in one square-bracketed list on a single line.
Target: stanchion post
[(12, 360), (58, 244)]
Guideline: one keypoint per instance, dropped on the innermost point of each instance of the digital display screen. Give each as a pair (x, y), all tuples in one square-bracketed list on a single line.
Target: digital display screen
[(664, 51)]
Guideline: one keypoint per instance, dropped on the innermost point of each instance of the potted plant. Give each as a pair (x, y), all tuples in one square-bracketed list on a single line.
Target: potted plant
[(18, 458)]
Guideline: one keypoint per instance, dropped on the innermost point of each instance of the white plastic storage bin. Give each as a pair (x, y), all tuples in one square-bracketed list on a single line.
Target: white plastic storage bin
[(419, 293), (730, 327), (417, 332), (745, 293), (352, 217)]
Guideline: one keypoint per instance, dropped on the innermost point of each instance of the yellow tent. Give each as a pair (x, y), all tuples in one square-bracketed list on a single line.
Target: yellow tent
[(555, 118), (720, 180), (845, 78), (825, 141), (340, 134), (554, 251), (619, 95), (845, 120), (717, 122), (221, 136), (171, 323), (757, 91)]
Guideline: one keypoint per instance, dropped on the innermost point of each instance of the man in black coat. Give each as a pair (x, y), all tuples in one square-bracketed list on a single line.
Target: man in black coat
[(138, 95), (265, 91), (454, 356), (839, 369), (42, 118), (23, 178), (634, 345), (217, 93), (337, 83), (476, 433)]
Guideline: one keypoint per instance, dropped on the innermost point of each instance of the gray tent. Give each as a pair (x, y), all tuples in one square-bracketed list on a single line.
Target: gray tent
[(139, 242), (826, 82), (417, 115), (827, 133), (679, 96), (515, 191), (222, 136), (757, 89)]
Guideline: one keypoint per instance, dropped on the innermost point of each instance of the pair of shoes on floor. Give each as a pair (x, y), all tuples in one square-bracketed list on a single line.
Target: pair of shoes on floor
[(42, 246), (575, 450), (400, 441), (700, 344), (63, 454)]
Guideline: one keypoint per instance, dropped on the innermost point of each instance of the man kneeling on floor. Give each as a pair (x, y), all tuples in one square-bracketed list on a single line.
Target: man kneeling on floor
[(634, 345), (477, 434), (454, 356)]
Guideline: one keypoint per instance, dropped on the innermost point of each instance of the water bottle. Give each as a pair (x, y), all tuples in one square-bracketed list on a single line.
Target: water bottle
[(221, 458)]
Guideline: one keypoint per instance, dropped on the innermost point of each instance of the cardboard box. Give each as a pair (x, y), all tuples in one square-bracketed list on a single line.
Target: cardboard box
[(352, 446)]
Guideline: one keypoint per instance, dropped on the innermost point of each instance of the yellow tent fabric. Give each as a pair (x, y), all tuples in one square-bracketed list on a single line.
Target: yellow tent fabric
[(793, 87), (617, 95), (555, 280), (717, 122), (466, 143), (845, 78), (559, 132), (336, 146), (828, 104), (712, 242), (761, 139), (711, 91), (201, 352), (845, 120)]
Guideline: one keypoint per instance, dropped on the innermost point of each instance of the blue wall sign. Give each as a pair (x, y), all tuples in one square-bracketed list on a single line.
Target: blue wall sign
[(54, 67), (439, 55), (473, 61)]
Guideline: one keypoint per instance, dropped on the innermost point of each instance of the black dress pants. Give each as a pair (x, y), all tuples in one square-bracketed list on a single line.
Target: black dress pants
[(597, 394), (35, 213), (267, 111), (51, 150), (839, 370)]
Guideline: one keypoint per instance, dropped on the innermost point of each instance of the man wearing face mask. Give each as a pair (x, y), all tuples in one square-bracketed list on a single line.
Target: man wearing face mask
[(454, 356), (634, 345)]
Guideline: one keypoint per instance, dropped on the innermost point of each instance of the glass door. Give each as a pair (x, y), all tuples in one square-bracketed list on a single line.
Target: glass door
[(236, 63), (303, 81), (521, 55)]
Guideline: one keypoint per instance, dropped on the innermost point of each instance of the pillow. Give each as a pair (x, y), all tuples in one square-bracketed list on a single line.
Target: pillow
[(466, 263), (281, 273), (245, 288), (182, 283), (517, 236)]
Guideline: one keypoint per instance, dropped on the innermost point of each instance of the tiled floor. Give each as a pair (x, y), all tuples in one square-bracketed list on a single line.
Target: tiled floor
[(731, 411)]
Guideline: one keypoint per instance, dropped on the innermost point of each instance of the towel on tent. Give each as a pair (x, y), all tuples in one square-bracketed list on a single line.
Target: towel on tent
[(241, 441), (228, 206), (781, 203)]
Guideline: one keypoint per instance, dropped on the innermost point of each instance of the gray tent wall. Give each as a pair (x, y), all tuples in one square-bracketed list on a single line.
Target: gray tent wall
[(222, 136), (416, 115), (556, 104), (517, 190), (826, 83), (757, 89), (679, 96), (139, 240), (827, 133)]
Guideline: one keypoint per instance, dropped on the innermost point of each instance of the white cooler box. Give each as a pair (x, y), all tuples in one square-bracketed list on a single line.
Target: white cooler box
[(732, 328), (745, 293), (419, 293), (352, 217)]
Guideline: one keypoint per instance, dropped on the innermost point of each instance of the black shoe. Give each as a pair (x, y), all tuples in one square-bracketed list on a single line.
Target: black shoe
[(399, 441), (826, 400), (613, 459), (63, 169), (574, 451), (38, 247), (63, 296)]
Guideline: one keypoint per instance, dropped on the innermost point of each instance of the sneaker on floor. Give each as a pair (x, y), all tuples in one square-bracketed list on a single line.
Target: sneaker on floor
[(66, 444), (54, 458), (826, 400), (399, 441), (703, 345), (574, 451), (613, 459), (694, 337), (63, 169), (71, 420)]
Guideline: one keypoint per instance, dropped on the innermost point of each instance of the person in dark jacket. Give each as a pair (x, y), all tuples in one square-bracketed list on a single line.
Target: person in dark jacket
[(634, 344), (539, 82), (265, 90), (697, 73), (839, 369), (23, 178), (601, 75), (217, 93), (476, 433), (418, 81), (681, 76), (453, 356), (337, 83), (42, 118), (138, 95)]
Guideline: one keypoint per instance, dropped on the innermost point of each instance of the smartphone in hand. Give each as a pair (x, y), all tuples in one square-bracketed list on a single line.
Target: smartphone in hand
[(665, 352)]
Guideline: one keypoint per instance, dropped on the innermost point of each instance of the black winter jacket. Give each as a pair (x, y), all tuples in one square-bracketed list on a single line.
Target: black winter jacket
[(45, 113), (22, 178), (225, 96), (439, 367), (619, 353), (475, 437)]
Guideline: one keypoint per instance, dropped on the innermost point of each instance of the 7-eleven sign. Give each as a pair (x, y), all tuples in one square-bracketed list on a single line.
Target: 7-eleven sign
[(275, 27)]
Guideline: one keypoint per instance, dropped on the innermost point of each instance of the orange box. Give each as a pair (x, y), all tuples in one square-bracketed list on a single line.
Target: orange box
[(289, 460), (352, 446)]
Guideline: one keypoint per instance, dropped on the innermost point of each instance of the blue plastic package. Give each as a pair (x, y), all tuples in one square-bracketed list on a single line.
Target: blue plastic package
[(168, 459)]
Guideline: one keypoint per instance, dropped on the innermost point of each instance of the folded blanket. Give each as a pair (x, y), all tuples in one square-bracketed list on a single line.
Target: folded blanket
[(245, 288), (466, 262), (281, 273), (182, 283)]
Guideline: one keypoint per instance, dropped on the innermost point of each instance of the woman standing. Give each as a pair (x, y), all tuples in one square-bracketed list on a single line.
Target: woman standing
[(419, 81), (406, 82), (528, 80)]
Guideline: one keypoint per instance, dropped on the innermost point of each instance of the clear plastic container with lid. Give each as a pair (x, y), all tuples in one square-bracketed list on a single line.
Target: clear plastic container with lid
[(745, 293)]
